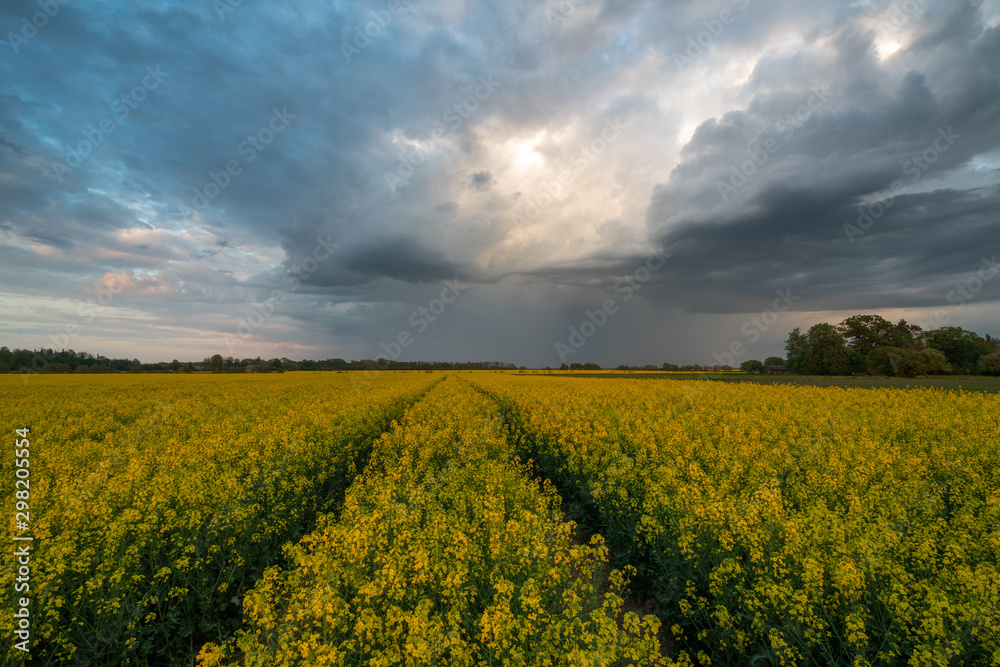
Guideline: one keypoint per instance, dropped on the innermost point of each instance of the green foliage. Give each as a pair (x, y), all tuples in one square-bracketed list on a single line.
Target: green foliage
[(56, 368), (826, 352), (989, 364), (880, 360), (910, 363), (858, 363), (795, 350), (872, 344), (907, 362), (95, 368), (751, 365), (961, 348), (864, 333), (774, 361)]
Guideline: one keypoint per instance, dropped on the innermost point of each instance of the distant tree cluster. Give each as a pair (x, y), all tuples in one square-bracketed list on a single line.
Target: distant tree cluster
[(64, 361), (871, 344), (771, 364), (69, 361), (860, 344), (691, 368)]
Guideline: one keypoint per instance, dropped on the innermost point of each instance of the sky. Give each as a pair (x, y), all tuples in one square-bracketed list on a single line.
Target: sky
[(534, 182)]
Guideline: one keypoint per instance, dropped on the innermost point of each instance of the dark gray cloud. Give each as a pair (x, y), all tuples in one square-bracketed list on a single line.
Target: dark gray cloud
[(857, 201), (482, 180), (537, 151), (401, 259)]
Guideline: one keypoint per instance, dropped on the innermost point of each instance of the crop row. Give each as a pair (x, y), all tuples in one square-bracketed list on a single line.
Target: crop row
[(447, 552), (157, 502), (785, 525)]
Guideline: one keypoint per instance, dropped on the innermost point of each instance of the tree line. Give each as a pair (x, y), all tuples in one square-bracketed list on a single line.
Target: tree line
[(860, 344), (70, 361), (873, 345)]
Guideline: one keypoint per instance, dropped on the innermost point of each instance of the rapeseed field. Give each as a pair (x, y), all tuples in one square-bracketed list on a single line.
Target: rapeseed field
[(502, 519)]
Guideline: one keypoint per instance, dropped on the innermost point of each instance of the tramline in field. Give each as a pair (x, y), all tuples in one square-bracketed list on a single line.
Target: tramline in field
[(422, 518)]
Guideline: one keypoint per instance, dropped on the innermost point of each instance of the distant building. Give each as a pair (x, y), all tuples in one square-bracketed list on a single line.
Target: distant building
[(199, 368), (773, 370)]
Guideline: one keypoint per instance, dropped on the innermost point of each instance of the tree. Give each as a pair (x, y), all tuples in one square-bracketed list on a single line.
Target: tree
[(795, 350), (93, 368), (910, 363), (56, 368), (928, 361), (751, 365), (858, 363), (880, 360), (826, 352), (175, 365), (910, 333), (962, 348), (774, 361), (989, 364), (20, 359), (866, 332)]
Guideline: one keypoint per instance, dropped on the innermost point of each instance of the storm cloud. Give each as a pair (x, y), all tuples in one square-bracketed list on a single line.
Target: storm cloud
[(330, 165)]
